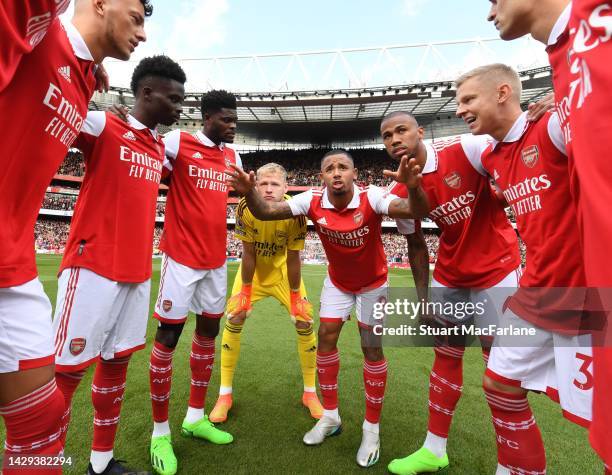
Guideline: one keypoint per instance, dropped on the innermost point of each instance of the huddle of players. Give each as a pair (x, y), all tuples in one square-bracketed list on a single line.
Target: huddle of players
[(449, 182)]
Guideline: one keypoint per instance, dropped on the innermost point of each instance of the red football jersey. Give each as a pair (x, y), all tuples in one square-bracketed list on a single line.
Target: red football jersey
[(530, 167), (111, 232), (43, 110), (478, 246), (351, 237), (195, 229), (23, 25)]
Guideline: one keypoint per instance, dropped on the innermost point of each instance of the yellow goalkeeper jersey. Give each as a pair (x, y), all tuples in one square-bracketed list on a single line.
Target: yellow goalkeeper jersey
[(271, 239)]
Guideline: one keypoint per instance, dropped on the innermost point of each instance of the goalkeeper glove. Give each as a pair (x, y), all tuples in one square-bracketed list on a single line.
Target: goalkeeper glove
[(301, 309), (241, 302)]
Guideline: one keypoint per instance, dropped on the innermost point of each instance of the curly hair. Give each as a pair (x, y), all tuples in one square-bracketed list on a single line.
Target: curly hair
[(215, 100), (157, 66), (148, 8)]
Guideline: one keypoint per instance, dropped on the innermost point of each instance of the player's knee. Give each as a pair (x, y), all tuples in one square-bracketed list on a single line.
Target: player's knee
[(490, 384), (207, 327), (169, 334), (302, 325), (328, 335), (236, 319)]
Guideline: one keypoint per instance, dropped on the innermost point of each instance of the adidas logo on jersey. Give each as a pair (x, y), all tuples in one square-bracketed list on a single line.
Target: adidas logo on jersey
[(322, 221), (64, 72), (197, 155), (129, 135)]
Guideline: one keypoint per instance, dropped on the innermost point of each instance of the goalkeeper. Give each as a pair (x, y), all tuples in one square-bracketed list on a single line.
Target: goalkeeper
[(270, 267)]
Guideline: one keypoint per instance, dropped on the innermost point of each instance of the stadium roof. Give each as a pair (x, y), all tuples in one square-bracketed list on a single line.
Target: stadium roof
[(339, 117)]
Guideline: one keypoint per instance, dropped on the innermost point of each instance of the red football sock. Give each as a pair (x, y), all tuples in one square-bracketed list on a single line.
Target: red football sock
[(328, 366), (445, 387), (67, 384), (375, 381), (519, 442), (160, 380), (201, 360), (107, 392), (33, 426)]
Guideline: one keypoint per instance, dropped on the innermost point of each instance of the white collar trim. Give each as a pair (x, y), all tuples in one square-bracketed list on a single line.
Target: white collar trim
[(560, 25), (136, 124), (76, 41), (516, 131), (431, 162), (325, 203)]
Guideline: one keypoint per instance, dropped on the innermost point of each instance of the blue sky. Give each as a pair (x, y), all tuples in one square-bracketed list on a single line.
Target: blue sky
[(187, 29)]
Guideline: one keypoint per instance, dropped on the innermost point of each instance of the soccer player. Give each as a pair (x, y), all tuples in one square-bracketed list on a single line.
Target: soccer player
[(47, 96), (194, 272), (478, 250), (270, 267), (529, 163), (348, 222), (577, 36), (105, 275)]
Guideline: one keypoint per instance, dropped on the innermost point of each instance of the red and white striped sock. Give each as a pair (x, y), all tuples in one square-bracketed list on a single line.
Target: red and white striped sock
[(375, 381), (445, 388), (107, 392), (67, 384), (328, 366), (33, 427), (519, 443), (201, 360), (160, 380)]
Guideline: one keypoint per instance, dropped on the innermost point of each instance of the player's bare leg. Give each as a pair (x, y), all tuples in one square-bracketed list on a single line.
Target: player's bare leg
[(35, 390), (519, 442), (328, 365), (375, 381)]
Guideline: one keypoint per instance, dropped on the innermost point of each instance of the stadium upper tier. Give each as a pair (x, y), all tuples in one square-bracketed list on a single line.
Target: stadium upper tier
[(336, 117)]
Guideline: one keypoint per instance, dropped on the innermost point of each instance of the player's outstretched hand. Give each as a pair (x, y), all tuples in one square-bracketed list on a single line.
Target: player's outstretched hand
[(120, 111), (408, 172), (535, 110), (241, 181), (239, 306), (301, 309), (102, 79)]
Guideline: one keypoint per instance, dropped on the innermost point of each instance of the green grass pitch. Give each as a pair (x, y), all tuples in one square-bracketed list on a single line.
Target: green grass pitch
[(268, 421)]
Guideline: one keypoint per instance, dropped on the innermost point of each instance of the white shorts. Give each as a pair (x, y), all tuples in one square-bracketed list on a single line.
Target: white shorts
[(560, 366), (181, 289), (25, 327), (336, 305), (96, 317)]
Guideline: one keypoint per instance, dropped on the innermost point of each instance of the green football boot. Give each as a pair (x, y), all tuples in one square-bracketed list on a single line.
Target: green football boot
[(204, 429)]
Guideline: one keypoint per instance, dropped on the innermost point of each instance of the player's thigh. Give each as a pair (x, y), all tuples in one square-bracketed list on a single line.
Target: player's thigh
[(130, 316), (210, 294), (26, 344), (177, 285), (489, 303), (83, 317), (521, 361), (336, 305), (574, 376)]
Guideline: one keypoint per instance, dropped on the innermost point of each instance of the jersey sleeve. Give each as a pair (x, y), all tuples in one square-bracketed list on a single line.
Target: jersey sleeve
[(300, 204), (380, 199), (405, 226), (23, 25), (556, 133), (297, 234), (238, 159), (94, 125), (244, 223), (172, 141), (474, 146)]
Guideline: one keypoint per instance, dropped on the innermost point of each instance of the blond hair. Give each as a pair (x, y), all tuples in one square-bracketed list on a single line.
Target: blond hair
[(272, 168), (498, 73)]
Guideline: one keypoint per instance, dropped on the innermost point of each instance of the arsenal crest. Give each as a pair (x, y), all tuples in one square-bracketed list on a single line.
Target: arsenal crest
[(453, 180), (228, 162), (530, 156), (358, 218), (77, 345), (167, 305)]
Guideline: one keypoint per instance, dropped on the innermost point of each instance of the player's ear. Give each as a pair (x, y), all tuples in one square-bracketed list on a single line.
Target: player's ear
[(355, 173), (421, 132), (504, 92)]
